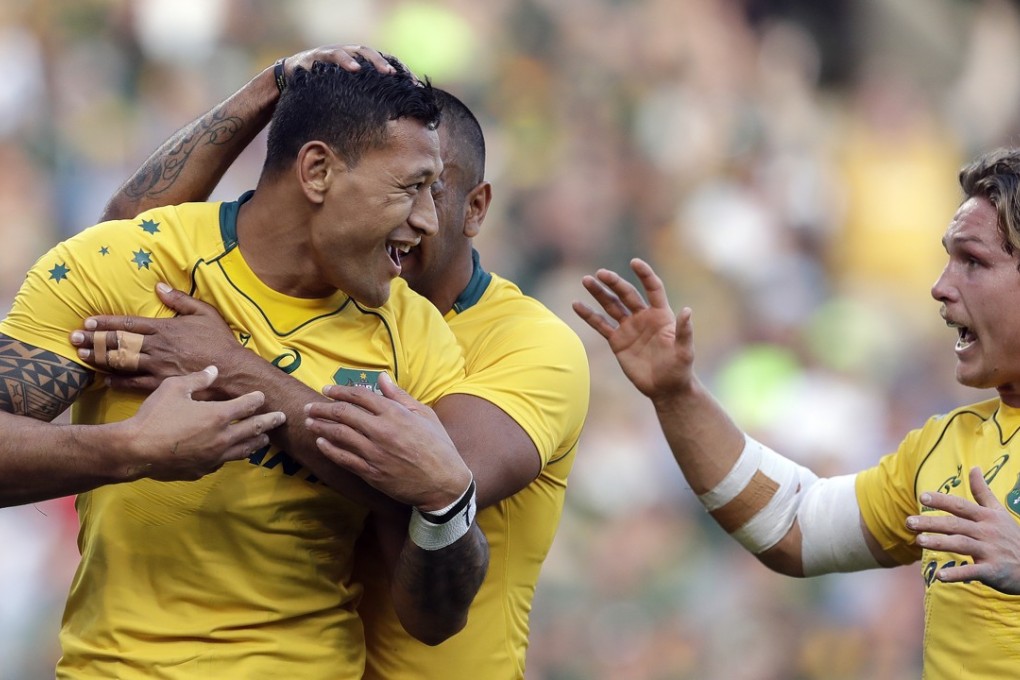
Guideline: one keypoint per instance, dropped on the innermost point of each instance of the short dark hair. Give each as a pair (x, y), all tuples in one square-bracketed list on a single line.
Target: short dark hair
[(348, 110), (465, 134), (995, 177)]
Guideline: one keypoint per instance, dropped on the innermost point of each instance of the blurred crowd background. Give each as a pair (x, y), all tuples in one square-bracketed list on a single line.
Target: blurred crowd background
[(788, 166)]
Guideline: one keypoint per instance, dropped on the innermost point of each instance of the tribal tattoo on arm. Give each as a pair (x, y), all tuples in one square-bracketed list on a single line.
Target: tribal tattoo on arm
[(37, 383), (158, 174)]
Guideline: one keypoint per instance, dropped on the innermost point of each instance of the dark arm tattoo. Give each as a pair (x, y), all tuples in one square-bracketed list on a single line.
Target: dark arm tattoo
[(38, 383), (160, 172), (442, 583)]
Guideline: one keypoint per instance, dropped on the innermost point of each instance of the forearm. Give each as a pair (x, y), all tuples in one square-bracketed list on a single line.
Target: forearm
[(432, 590), (707, 445), (189, 164), (793, 522), (437, 562), (40, 461), (705, 441), (247, 372)]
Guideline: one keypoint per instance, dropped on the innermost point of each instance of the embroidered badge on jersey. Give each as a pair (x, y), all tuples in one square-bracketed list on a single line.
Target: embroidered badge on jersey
[(358, 377)]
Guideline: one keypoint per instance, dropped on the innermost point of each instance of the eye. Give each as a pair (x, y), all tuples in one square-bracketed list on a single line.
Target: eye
[(437, 188)]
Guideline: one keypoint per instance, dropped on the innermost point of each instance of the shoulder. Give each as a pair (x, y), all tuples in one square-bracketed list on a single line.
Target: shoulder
[(506, 312), (976, 412)]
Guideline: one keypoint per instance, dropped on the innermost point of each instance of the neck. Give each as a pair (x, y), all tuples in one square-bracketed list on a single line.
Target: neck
[(274, 240), (1010, 395), (443, 292)]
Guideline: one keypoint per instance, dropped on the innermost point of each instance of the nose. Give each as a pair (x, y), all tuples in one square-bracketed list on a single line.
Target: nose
[(423, 216), (941, 290)]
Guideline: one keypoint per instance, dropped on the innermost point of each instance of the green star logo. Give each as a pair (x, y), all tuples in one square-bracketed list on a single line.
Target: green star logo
[(142, 259), (59, 272), (149, 226), (105, 250)]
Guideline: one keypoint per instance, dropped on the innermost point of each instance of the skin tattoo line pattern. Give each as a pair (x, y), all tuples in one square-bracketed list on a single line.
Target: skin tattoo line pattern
[(161, 171), (37, 383)]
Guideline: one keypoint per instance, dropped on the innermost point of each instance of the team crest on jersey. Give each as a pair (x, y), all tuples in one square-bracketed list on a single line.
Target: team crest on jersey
[(1013, 498), (358, 377)]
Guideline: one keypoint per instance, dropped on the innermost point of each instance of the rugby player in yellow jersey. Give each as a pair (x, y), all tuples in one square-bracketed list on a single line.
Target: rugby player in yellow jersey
[(948, 498), (245, 572), (527, 365)]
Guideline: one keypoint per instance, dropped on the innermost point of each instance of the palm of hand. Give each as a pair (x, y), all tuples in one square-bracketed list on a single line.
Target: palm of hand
[(648, 350)]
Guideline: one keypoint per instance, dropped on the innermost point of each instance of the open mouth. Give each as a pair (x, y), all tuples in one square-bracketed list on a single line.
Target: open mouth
[(966, 336), (397, 250)]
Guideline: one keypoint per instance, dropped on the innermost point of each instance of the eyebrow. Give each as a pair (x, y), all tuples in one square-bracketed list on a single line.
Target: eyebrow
[(962, 240), (425, 172)]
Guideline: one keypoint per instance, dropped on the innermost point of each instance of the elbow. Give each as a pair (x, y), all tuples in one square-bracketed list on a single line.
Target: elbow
[(782, 563), (119, 209), (436, 635), (785, 556)]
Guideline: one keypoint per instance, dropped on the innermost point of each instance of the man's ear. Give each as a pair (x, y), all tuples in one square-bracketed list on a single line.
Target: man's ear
[(317, 168), (477, 202)]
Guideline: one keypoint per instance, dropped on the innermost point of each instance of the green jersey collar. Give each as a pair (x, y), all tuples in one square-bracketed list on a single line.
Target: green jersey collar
[(476, 286)]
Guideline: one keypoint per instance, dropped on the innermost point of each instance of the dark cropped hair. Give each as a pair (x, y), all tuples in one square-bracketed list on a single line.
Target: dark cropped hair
[(996, 177), (464, 134), (344, 109)]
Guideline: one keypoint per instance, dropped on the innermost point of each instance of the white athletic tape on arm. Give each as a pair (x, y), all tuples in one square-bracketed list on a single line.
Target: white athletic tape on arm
[(768, 527), (736, 479), (770, 524), (830, 526)]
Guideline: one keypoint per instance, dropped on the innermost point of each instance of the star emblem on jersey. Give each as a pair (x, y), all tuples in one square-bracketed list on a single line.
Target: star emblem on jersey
[(105, 250), (142, 259), (149, 226), (59, 272)]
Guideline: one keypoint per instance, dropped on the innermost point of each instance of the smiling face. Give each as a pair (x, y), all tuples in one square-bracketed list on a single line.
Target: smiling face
[(980, 294), (374, 211), (440, 266)]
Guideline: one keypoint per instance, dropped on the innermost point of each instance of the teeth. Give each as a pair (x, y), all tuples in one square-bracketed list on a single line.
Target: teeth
[(966, 337)]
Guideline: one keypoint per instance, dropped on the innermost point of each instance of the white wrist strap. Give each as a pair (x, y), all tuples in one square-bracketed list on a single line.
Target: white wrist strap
[(437, 530)]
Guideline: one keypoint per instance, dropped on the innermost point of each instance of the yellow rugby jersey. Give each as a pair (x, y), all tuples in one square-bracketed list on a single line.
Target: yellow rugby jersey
[(972, 632), (524, 359), (244, 573)]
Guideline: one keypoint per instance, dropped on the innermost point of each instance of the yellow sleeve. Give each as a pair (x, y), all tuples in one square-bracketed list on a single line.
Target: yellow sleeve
[(886, 496), (535, 369), (106, 269)]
